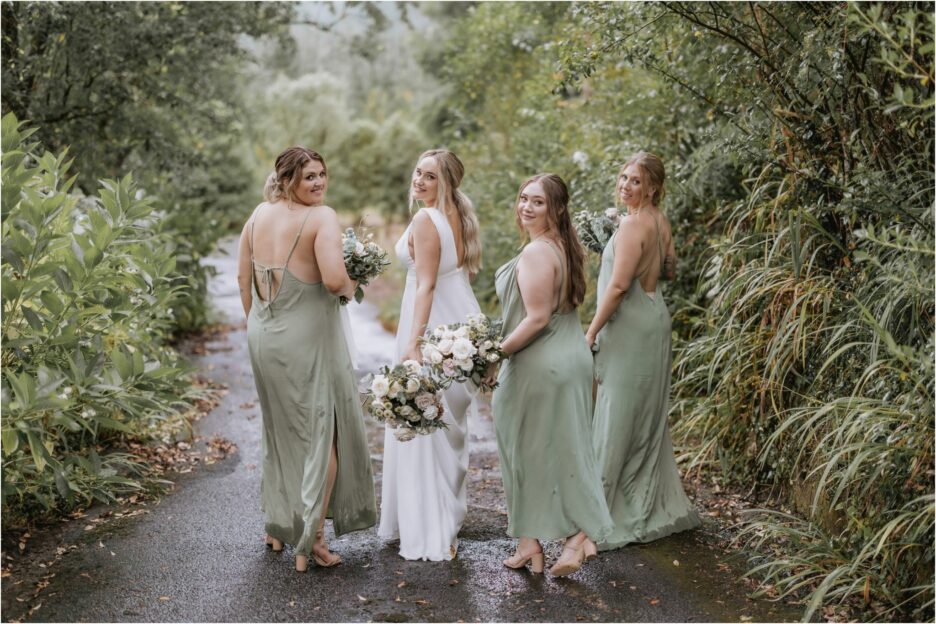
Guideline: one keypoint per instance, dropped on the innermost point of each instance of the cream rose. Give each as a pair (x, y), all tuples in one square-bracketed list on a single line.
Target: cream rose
[(380, 386), (462, 348)]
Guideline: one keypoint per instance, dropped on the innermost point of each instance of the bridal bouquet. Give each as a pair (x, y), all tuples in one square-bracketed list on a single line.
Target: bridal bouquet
[(364, 261), (595, 228), (407, 397), (463, 351)]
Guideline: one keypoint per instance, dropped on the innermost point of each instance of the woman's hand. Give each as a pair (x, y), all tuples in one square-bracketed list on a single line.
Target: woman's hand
[(412, 353), (490, 374), (590, 339)]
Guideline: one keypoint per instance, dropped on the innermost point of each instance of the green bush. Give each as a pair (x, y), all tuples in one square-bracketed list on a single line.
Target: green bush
[(88, 291), (799, 143), (810, 366)]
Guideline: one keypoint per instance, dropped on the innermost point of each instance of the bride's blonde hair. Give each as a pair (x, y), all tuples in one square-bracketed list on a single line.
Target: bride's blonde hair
[(450, 197)]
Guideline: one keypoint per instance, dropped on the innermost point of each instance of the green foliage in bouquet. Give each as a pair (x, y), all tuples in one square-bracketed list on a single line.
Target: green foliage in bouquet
[(88, 292), (364, 260), (595, 229)]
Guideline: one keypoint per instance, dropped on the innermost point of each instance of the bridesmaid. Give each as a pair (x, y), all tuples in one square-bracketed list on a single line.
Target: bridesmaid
[(543, 405), (633, 366), (290, 273)]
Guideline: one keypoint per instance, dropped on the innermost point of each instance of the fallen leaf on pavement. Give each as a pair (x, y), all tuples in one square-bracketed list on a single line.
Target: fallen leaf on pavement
[(676, 562), (655, 601), (165, 598), (401, 584)]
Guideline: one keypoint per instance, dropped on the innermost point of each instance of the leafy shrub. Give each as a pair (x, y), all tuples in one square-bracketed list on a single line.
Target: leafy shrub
[(811, 367), (799, 143), (88, 291)]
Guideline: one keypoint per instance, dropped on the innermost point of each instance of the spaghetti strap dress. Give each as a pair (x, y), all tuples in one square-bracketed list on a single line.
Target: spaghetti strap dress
[(631, 436), (542, 417), (308, 398)]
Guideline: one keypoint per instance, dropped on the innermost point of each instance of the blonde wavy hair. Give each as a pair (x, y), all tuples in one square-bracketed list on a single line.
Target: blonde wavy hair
[(450, 197)]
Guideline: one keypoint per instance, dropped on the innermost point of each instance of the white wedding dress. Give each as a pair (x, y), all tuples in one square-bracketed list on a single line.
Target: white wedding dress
[(423, 495)]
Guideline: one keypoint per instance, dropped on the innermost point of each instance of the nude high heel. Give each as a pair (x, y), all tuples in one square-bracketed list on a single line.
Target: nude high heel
[(591, 550), (302, 563), (568, 565), (326, 564), (274, 543), (319, 561), (536, 560)]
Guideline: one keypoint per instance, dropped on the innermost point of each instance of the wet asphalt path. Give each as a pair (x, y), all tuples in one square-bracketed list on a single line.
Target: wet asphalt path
[(199, 556)]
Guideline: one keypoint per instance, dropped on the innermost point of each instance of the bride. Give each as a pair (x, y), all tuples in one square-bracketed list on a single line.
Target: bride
[(423, 496)]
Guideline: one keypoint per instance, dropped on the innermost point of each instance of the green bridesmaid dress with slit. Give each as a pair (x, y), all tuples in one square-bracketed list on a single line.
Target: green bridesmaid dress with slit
[(631, 435), (542, 417), (308, 397)]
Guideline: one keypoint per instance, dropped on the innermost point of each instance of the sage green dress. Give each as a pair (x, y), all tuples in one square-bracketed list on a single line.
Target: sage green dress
[(542, 417), (631, 435), (308, 396)]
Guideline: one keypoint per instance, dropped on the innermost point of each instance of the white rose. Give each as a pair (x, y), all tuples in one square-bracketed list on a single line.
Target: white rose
[(462, 332), (431, 412), (395, 389), (438, 331), (431, 353), (445, 346), (380, 386), (412, 366), (412, 386), (358, 249), (492, 357), (462, 348), (612, 213), (448, 334), (465, 365)]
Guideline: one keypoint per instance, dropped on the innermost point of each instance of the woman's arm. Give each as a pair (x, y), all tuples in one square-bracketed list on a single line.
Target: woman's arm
[(668, 272), (627, 249), (427, 251), (245, 268), (536, 277), (329, 256)]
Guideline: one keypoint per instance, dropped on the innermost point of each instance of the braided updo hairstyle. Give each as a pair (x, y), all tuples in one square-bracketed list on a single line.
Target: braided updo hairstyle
[(282, 183)]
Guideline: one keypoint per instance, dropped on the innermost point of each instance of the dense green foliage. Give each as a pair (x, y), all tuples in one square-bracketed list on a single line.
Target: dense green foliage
[(799, 146), (88, 297), (94, 286), (148, 87), (353, 92), (799, 141)]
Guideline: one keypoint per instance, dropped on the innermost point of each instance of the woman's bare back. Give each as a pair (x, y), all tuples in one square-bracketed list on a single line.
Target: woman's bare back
[(273, 231), (656, 245)]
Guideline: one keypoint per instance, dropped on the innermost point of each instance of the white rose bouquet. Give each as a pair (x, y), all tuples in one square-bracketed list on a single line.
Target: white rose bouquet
[(463, 351), (595, 228), (364, 260), (407, 397)]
